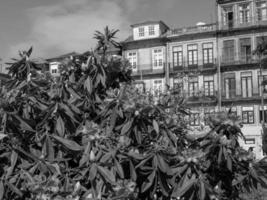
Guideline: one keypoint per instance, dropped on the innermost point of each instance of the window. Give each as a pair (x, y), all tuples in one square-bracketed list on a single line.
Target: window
[(229, 86), (140, 87), (207, 53), (233, 110), (261, 10), (194, 119), (265, 114), (261, 79), (207, 114), (228, 51), (244, 13), (250, 141), (141, 31), (178, 83), (193, 86), (208, 85), (157, 58), (132, 57), (228, 16), (177, 56), (247, 115), (54, 71), (192, 54), (245, 49), (246, 84), (157, 86), (151, 30)]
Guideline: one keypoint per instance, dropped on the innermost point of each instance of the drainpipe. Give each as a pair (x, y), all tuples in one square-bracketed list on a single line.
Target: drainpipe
[(218, 62)]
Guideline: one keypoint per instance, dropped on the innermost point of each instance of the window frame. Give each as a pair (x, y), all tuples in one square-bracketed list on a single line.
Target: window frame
[(196, 119), (141, 31), (133, 60), (193, 81), (229, 51), (210, 83), (210, 60), (177, 56), (244, 13), (157, 89), (259, 9), (247, 78), (192, 55), (246, 112), (151, 30), (157, 59)]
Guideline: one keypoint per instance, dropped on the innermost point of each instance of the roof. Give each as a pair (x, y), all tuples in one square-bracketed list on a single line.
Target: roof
[(63, 56), (148, 23), (227, 1)]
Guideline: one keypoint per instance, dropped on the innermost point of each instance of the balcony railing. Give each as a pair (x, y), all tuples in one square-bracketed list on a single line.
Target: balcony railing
[(199, 66), (242, 59), (199, 96), (232, 95), (238, 23), (149, 69), (192, 29)]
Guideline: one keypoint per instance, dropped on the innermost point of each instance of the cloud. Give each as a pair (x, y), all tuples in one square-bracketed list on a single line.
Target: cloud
[(69, 25)]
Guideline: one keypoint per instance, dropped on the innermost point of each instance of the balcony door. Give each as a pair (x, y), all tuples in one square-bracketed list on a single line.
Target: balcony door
[(246, 84)]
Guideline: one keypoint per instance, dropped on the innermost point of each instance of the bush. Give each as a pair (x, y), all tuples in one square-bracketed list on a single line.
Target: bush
[(90, 135)]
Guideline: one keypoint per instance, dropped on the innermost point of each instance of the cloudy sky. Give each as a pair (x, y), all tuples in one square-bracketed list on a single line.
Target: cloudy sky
[(55, 27)]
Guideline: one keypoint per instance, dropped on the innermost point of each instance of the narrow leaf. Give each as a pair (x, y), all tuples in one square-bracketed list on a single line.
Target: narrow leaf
[(155, 126), (108, 175), (70, 144)]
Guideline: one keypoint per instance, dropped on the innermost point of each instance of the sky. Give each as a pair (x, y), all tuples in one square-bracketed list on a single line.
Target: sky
[(56, 27)]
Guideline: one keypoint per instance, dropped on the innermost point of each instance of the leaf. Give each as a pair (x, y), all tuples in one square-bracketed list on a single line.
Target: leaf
[(229, 163), (119, 168), (92, 172), (126, 127), (180, 191), (60, 127), (2, 190), (88, 85), (162, 164), (108, 175), (14, 189), (50, 149), (132, 172), (202, 191), (155, 126), (69, 143), (85, 156), (2, 136), (147, 184), (23, 124), (14, 158)]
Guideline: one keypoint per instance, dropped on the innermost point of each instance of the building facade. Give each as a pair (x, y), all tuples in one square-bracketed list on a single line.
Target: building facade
[(213, 65)]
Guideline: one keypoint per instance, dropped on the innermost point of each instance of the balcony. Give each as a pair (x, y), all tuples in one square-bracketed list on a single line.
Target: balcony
[(199, 67), (231, 96), (143, 70), (233, 24), (239, 61), (192, 30), (200, 97)]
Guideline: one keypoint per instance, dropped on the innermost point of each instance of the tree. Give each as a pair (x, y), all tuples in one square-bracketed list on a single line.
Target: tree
[(106, 40), (261, 51), (90, 135)]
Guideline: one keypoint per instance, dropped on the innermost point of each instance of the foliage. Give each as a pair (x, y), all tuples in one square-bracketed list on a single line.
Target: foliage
[(90, 135)]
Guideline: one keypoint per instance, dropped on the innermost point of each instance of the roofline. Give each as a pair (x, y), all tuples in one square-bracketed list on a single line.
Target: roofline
[(149, 22)]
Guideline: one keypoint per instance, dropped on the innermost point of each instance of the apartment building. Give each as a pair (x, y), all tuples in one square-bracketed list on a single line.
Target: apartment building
[(212, 65)]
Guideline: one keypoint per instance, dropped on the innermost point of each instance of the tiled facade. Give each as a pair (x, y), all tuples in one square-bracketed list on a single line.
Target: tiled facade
[(211, 64)]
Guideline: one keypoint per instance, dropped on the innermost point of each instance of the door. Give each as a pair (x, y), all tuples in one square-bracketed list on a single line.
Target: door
[(230, 19)]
